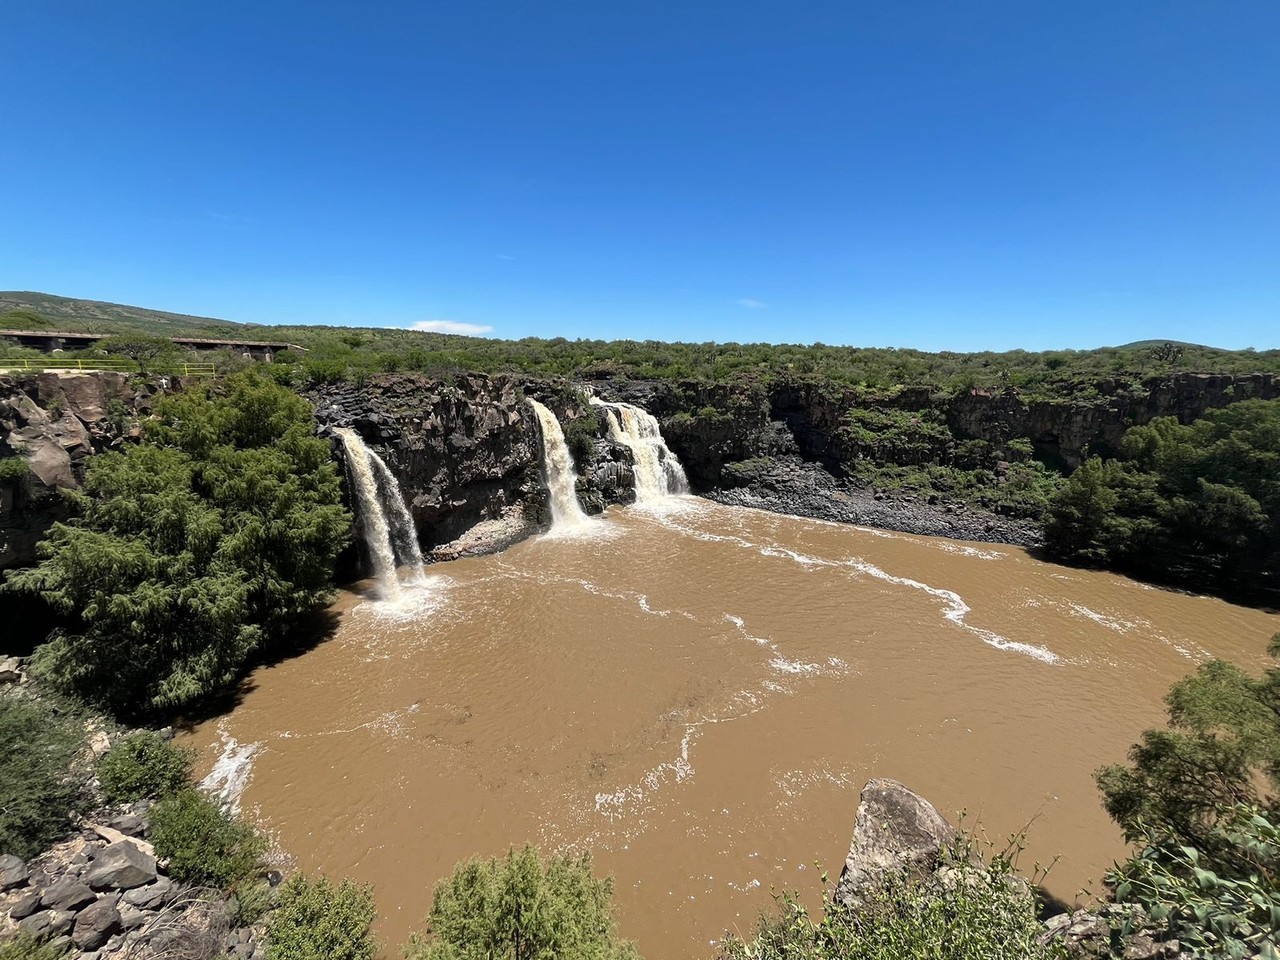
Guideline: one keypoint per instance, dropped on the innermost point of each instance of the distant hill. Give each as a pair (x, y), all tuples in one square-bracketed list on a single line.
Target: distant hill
[(27, 310), (1149, 344)]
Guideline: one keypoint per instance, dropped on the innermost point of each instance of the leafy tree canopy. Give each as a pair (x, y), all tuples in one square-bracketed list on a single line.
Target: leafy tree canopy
[(1197, 503), (194, 549)]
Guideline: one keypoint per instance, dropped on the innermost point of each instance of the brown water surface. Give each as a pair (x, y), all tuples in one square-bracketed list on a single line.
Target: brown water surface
[(697, 693)]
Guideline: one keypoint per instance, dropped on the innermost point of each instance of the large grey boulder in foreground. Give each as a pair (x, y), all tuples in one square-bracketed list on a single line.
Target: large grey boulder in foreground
[(896, 831)]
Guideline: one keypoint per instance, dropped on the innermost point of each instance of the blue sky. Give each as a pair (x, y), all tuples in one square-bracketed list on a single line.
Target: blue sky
[(945, 175)]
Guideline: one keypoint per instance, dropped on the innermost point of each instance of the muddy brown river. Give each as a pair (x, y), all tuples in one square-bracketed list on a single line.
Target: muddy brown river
[(696, 694)]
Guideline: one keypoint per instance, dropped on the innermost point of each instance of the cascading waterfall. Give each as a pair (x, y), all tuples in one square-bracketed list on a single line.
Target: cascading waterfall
[(558, 472), (404, 535), (658, 470), (377, 494)]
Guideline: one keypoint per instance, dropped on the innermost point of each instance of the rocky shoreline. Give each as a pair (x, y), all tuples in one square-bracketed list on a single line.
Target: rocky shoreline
[(799, 488)]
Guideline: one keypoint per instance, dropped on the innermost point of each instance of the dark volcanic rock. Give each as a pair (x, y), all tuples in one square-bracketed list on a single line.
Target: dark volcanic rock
[(13, 872), (67, 894), (896, 831), (121, 866), (95, 924)]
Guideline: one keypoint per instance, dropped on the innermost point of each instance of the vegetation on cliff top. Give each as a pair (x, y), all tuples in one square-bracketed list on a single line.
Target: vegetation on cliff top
[(337, 353), (193, 550), (1197, 504)]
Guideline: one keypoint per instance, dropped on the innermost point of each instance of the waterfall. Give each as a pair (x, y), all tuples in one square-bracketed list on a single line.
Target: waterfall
[(658, 470), (404, 535), (377, 494), (558, 472)]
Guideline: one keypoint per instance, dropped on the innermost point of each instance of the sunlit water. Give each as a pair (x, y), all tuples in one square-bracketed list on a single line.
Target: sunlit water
[(696, 693)]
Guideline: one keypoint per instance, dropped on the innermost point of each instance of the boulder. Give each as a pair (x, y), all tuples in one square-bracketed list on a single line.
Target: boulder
[(25, 906), (13, 872), (46, 923), (150, 896), (10, 672), (121, 866), (95, 924), (895, 831), (67, 894)]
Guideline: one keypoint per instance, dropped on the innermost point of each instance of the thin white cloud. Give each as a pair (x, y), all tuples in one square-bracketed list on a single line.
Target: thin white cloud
[(504, 256), (452, 326), (750, 304)]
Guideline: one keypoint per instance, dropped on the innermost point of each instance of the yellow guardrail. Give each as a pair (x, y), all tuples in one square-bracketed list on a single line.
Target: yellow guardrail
[(118, 366)]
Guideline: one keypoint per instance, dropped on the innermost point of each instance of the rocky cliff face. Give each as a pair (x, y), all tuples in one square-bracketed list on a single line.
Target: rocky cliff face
[(54, 423), (467, 454)]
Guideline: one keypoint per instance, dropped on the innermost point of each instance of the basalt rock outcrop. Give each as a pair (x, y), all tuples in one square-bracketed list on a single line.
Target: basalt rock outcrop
[(467, 454), (53, 423)]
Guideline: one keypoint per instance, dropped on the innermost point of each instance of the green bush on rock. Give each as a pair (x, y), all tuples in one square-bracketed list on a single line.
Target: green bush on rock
[(520, 908), (204, 843), (37, 783), (317, 921), (143, 765), (964, 912)]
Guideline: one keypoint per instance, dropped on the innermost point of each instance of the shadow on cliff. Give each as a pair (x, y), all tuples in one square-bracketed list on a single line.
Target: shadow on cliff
[(311, 631)]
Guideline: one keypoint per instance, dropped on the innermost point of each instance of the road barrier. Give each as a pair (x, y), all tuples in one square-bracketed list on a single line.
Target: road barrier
[(115, 365)]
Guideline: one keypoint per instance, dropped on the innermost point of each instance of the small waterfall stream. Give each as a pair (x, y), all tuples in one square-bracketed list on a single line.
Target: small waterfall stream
[(558, 472), (377, 495), (658, 470)]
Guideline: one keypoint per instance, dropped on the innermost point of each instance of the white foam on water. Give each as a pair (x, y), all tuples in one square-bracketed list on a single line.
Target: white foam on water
[(956, 610), (231, 771), (416, 601), (1111, 623)]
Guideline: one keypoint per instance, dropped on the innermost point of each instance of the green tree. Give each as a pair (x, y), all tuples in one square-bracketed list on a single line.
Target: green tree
[(144, 349), (317, 921), (520, 908), (1221, 750), (194, 549)]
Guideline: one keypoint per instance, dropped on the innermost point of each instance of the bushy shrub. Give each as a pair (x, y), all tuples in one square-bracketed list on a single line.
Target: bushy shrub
[(580, 437), (13, 470), (520, 908), (204, 843), (1220, 903), (37, 784), (965, 912), (317, 921), (143, 765)]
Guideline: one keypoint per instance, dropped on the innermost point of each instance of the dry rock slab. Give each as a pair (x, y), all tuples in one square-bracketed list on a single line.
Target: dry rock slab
[(896, 831), (13, 872), (121, 866), (95, 924), (67, 894)]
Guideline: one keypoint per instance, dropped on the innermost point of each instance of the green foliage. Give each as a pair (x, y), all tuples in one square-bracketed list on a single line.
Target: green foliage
[(144, 765), (13, 470), (317, 921), (146, 350), (1221, 750), (977, 913), (25, 948), (195, 549), (1220, 905), (204, 843), (520, 908), (580, 435), (38, 784), (1197, 503)]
